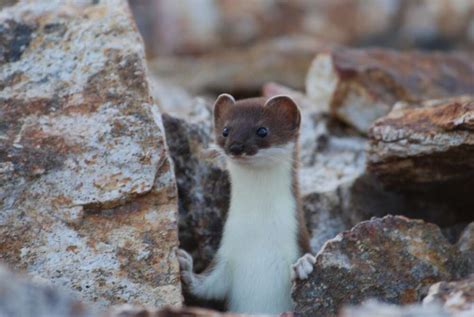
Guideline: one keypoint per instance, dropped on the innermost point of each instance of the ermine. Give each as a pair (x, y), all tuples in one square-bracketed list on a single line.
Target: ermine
[(265, 243)]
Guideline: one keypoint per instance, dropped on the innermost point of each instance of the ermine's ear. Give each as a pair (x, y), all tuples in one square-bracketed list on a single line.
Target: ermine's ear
[(222, 104), (285, 109)]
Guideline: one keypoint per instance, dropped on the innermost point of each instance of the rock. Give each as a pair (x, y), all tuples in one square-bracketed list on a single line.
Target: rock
[(456, 297), (441, 24), (466, 241), (424, 143), (373, 308), (359, 86), (465, 244), (87, 194), (175, 312), (7, 3), (392, 259), (425, 150), (243, 71), (196, 27), (22, 298)]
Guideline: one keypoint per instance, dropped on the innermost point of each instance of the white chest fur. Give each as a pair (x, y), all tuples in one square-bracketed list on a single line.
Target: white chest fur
[(260, 238)]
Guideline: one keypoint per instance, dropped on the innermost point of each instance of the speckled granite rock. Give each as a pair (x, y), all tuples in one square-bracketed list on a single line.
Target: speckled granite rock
[(20, 297), (456, 297), (359, 86), (87, 195), (393, 259), (424, 143)]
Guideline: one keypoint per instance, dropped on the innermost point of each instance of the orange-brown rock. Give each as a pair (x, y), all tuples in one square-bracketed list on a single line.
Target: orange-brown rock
[(359, 86), (424, 143), (87, 194)]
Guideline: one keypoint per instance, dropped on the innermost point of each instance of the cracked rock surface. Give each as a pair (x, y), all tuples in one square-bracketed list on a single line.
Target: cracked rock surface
[(424, 143), (394, 259), (87, 195)]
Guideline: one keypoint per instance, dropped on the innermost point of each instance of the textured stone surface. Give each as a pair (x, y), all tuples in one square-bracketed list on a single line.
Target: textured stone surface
[(425, 143), (20, 297), (87, 195), (360, 86), (243, 71), (393, 259), (377, 309), (456, 297)]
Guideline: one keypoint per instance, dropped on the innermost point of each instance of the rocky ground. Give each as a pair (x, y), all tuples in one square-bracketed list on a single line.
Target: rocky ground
[(106, 162)]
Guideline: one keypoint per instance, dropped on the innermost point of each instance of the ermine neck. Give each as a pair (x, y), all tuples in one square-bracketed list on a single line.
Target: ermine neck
[(261, 189)]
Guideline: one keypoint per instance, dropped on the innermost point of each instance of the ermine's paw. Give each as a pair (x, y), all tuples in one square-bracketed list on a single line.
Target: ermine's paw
[(186, 267), (303, 267)]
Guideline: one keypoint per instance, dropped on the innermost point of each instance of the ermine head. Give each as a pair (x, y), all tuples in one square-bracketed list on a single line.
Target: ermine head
[(256, 131)]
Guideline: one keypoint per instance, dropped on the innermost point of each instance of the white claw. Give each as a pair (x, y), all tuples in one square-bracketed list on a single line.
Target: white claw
[(185, 260), (303, 267), (186, 266)]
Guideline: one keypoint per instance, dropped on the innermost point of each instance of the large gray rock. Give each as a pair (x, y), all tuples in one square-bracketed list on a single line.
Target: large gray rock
[(20, 297), (393, 259), (87, 194)]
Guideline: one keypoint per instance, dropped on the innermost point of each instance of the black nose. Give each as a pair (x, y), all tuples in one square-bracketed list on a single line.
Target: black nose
[(236, 148)]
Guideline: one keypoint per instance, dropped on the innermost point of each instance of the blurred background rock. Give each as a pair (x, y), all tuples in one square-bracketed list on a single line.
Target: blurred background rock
[(191, 27)]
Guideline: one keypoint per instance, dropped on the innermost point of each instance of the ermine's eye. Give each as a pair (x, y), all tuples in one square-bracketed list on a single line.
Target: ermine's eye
[(225, 132), (262, 132)]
